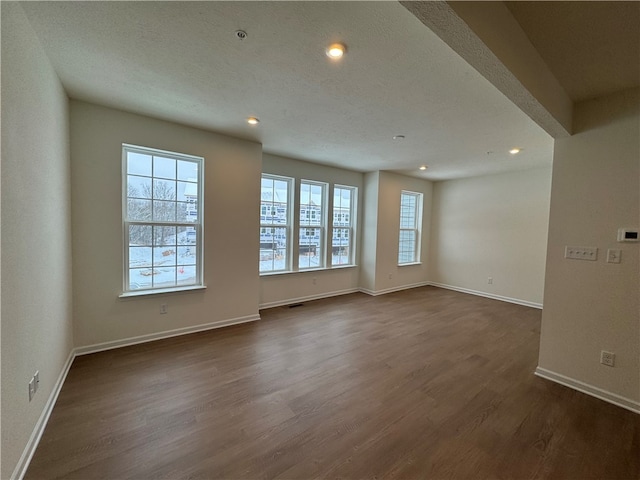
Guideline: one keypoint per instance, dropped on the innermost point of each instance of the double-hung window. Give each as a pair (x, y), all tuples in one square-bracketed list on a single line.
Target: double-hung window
[(163, 220), (410, 221), (275, 223), (312, 225), (342, 248)]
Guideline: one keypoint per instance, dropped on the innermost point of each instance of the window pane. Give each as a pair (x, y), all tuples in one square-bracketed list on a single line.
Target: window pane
[(407, 252), (274, 210), (164, 236), (187, 171), (164, 167), (155, 196), (340, 247), (164, 190), (140, 278), (186, 275), (138, 164), (140, 235), (140, 257), (309, 249), (138, 210), (164, 211), (138, 187), (273, 249), (187, 255), (164, 277), (187, 191)]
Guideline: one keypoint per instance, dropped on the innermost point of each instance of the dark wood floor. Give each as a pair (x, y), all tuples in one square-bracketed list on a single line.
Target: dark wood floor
[(425, 383)]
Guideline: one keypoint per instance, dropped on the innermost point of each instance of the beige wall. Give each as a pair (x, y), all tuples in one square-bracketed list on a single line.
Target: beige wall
[(593, 306), (381, 256), (492, 226), (369, 235), (232, 191), (36, 232), (279, 289)]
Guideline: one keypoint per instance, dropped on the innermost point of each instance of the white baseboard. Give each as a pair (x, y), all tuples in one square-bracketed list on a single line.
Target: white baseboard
[(308, 298), (125, 342), (375, 293), (36, 435), (518, 301), (599, 393)]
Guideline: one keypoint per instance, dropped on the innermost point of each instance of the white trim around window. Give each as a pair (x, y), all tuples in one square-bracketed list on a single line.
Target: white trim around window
[(410, 228), (163, 221)]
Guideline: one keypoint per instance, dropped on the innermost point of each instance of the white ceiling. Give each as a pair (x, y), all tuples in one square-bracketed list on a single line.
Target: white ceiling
[(181, 61), (592, 48)]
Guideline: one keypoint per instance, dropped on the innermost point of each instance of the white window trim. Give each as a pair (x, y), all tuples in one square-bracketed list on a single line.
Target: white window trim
[(322, 254), (198, 225), (289, 225), (351, 227), (417, 228)]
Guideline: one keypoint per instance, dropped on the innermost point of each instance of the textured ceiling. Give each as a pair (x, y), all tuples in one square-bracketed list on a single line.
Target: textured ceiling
[(181, 61), (592, 48)]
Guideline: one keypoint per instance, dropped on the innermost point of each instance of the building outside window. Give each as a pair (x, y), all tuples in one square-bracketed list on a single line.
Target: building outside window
[(342, 247), (162, 220), (275, 223), (410, 221), (312, 225)]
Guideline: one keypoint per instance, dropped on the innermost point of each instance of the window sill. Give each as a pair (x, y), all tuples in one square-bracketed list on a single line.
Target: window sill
[(143, 293), (306, 270), (409, 264)]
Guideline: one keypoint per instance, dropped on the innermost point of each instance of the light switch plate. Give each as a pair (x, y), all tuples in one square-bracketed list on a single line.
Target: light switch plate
[(581, 253), (613, 255)]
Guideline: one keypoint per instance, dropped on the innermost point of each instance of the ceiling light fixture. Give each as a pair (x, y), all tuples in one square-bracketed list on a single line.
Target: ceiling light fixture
[(423, 167), (253, 121), (336, 50), (513, 151), (398, 137)]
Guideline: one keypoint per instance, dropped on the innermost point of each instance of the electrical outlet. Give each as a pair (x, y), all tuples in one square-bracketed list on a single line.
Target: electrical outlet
[(490, 280), (164, 308), (607, 358), (32, 388), (36, 381), (314, 280), (390, 276)]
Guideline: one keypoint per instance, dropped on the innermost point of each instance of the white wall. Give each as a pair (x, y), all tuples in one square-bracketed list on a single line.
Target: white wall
[(369, 235), (492, 226), (280, 289), (388, 275), (232, 193), (36, 232), (593, 306)]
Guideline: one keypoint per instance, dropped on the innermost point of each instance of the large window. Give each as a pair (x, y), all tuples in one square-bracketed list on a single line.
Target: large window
[(410, 221), (312, 225), (343, 218), (163, 220), (275, 223)]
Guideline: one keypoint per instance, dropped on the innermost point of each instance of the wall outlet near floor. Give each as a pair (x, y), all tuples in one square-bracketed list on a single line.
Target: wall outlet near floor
[(607, 358), (314, 280), (164, 308), (490, 280)]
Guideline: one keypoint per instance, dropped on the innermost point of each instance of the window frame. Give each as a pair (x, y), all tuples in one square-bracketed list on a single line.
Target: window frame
[(344, 217), (311, 216), (416, 229), (198, 224), (288, 226)]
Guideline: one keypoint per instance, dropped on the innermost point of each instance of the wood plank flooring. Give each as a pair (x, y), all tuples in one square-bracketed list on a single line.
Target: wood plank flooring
[(424, 383)]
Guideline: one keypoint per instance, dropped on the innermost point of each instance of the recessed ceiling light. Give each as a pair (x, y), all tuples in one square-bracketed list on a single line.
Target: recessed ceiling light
[(398, 137), (336, 50), (253, 121), (513, 151), (423, 167)]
